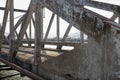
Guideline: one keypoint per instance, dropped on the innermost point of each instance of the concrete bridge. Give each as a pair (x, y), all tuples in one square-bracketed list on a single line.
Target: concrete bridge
[(96, 59)]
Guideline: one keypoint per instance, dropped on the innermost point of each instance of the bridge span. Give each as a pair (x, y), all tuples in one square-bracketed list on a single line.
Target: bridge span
[(95, 58)]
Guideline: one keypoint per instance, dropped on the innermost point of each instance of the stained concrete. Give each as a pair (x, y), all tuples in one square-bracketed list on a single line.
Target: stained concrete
[(95, 60)]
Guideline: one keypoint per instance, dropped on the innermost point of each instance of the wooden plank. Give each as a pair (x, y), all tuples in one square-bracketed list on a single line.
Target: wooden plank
[(49, 26)]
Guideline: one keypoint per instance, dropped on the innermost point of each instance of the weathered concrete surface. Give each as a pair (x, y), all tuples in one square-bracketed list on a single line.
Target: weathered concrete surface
[(83, 19), (97, 60), (84, 63)]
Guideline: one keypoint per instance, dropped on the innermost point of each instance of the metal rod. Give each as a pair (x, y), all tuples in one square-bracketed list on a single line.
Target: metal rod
[(16, 10), (58, 28)]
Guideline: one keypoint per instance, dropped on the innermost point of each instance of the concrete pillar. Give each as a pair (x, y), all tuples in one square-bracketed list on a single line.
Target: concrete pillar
[(12, 31), (58, 28)]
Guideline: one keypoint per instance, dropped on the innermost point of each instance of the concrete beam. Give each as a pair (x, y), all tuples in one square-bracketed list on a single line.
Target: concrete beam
[(65, 36), (49, 26), (83, 19), (103, 6), (67, 32), (114, 17), (81, 37)]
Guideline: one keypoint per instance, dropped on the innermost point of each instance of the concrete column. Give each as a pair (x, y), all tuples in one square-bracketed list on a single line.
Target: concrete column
[(38, 32), (81, 37), (58, 28), (38, 35), (12, 31), (29, 35)]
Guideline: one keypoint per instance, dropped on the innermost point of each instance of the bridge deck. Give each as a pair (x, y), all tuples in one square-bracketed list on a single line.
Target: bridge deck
[(27, 54), (89, 61)]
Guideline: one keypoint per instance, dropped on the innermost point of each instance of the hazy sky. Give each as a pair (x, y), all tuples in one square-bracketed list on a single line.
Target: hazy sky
[(23, 4)]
